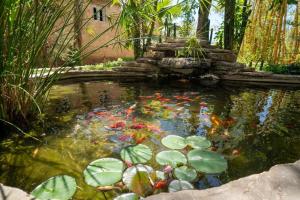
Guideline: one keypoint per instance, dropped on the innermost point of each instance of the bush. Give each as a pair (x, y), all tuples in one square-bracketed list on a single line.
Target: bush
[(283, 69)]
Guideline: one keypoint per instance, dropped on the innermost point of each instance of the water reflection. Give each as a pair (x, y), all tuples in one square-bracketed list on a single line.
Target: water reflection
[(253, 128)]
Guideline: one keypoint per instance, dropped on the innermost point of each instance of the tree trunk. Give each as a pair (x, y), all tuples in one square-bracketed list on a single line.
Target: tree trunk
[(245, 16), (203, 21), (229, 24), (152, 26)]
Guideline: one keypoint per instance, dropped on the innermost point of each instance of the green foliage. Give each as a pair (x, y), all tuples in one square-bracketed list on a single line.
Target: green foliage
[(283, 69), (178, 185), (58, 187), (103, 172), (104, 66), (185, 173), (207, 161), (35, 34), (136, 154), (198, 142), (171, 157), (174, 142)]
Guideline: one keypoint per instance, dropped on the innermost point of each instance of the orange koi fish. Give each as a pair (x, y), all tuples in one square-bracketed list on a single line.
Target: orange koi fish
[(160, 184), (118, 125)]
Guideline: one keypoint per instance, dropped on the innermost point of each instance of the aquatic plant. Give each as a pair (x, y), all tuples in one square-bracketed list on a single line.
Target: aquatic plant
[(179, 171)]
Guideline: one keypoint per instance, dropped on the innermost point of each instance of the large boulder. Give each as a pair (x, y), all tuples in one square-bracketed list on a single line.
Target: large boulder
[(281, 182)]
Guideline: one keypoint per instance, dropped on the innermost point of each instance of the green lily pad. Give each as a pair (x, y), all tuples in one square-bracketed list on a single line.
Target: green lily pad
[(57, 187), (185, 173), (127, 196), (207, 161), (177, 185), (160, 175), (136, 154), (137, 179), (198, 142), (173, 142), (171, 157), (103, 172)]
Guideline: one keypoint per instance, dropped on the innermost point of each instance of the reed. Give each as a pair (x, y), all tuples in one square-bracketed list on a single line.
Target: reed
[(36, 33)]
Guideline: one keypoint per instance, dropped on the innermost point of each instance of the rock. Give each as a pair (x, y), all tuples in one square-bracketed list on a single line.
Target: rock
[(11, 193), (281, 182), (228, 57), (184, 63), (135, 69), (147, 60), (154, 55)]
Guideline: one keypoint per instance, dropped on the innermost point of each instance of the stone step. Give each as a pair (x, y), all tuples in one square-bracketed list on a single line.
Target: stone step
[(147, 60), (227, 57), (136, 64), (134, 69), (154, 54), (184, 63)]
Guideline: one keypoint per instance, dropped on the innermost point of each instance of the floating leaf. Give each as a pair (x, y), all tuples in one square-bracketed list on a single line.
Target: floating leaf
[(207, 161), (160, 175), (103, 172), (137, 179), (136, 154), (57, 187), (174, 142), (198, 142), (172, 157), (185, 173), (177, 185), (127, 196)]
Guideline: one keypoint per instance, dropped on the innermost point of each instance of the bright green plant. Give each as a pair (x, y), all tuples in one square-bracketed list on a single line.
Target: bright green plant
[(180, 171)]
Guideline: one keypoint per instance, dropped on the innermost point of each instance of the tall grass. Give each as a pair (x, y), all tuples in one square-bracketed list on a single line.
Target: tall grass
[(35, 33)]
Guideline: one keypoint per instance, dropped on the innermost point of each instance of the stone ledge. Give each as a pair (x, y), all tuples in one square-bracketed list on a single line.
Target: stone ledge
[(11, 193), (281, 182)]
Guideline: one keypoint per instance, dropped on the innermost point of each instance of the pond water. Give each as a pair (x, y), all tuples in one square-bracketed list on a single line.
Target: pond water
[(252, 128)]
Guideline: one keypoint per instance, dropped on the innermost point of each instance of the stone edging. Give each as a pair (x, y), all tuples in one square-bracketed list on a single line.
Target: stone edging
[(281, 182)]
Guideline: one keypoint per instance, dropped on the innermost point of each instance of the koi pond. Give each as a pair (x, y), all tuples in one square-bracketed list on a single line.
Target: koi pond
[(104, 139)]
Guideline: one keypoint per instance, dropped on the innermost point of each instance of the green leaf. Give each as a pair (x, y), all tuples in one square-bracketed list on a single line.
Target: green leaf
[(137, 179), (160, 175), (103, 172), (127, 196), (198, 142), (172, 157), (207, 161), (185, 173), (174, 142), (57, 187), (177, 185), (136, 154)]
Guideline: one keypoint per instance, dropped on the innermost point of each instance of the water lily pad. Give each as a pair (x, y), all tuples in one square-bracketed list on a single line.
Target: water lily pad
[(57, 187), (198, 142), (137, 179), (207, 161), (103, 172), (185, 173), (136, 154), (127, 196), (173, 142), (160, 175), (177, 185), (171, 157)]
